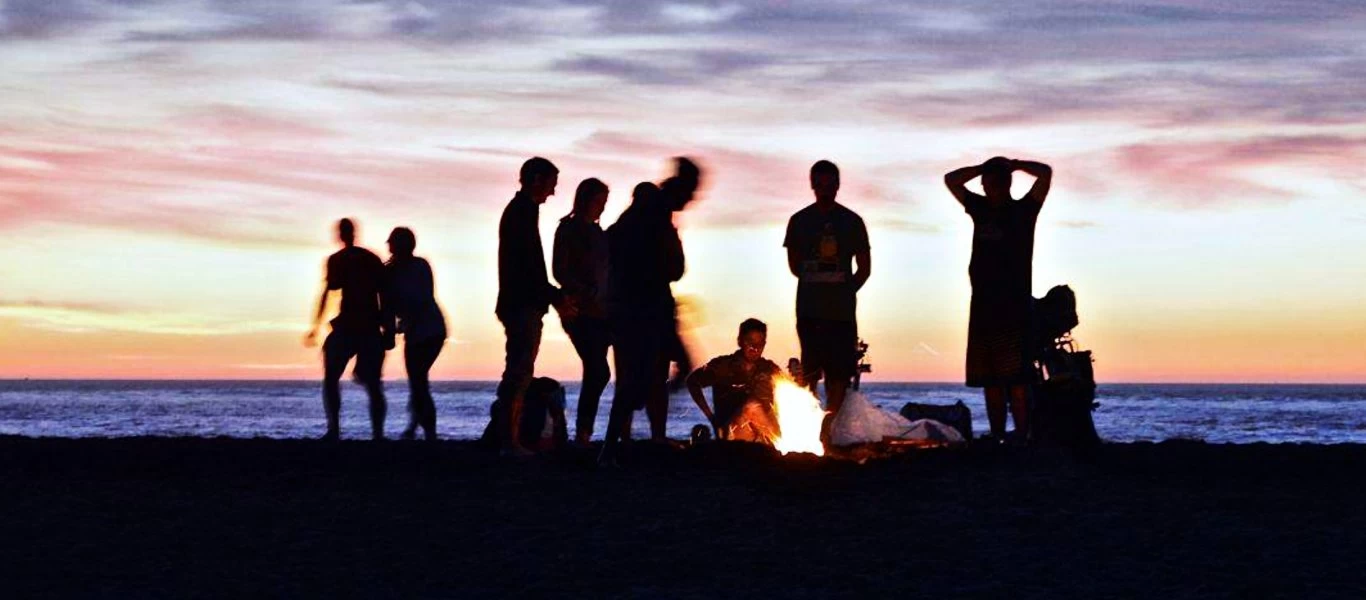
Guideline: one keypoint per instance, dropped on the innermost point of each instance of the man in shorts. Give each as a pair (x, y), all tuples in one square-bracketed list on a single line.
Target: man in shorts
[(359, 330), (825, 241)]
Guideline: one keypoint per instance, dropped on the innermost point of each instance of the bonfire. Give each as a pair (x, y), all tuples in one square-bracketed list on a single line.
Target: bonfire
[(800, 417)]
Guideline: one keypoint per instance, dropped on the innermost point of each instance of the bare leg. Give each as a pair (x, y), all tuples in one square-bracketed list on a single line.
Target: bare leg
[(523, 343), (835, 390), (378, 408), (657, 398), (334, 364), (1019, 409), (996, 410), (332, 405)]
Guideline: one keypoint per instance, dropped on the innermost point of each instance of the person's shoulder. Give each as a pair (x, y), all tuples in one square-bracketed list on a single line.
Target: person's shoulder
[(804, 217), (514, 207), (769, 366), (724, 361), (847, 213), (366, 255), (805, 212)]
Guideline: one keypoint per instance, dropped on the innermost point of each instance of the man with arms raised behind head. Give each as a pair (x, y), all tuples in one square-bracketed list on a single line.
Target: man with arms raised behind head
[(999, 358), (524, 295), (824, 241), (360, 329)]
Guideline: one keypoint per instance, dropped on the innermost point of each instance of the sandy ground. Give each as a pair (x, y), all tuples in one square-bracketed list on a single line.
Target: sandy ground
[(221, 517)]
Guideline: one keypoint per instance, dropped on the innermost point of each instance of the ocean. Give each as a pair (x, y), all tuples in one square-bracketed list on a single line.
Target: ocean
[(293, 409)]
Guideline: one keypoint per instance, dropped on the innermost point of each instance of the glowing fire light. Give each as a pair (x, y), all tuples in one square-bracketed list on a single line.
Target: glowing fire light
[(799, 418)]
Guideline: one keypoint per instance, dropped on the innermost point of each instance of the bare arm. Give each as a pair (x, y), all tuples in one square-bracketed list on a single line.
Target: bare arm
[(864, 262), (1042, 174), (957, 180), (696, 381), (311, 338), (794, 262), (388, 318)]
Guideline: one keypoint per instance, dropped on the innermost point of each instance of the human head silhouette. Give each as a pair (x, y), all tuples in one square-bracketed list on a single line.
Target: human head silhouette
[(752, 339), (825, 181), (538, 178), (644, 193), (346, 232), (402, 242), (590, 199), (685, 181), (996, 178)]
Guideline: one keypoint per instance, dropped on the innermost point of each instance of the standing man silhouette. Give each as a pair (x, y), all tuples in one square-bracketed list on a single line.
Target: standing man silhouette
[(361, 329), (824, 242), (524, 295), (999, 358)]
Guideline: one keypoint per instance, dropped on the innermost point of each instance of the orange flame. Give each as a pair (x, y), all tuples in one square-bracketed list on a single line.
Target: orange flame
[(799, 418)]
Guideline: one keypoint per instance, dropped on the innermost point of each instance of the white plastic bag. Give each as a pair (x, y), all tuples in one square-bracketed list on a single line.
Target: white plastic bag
[(858, 422)]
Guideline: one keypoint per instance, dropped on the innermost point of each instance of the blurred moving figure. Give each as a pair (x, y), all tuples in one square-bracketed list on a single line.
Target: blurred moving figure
[(360, 330), (410, 294)]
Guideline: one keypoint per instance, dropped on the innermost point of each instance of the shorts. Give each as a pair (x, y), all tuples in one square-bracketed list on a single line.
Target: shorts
[(368, 350), (523, 331), (829, 349)]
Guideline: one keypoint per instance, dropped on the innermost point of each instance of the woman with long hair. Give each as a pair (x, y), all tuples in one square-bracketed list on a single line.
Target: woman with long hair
[(579, 263), (411, 298)]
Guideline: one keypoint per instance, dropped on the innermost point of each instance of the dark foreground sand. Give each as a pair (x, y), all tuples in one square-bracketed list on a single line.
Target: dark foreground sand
[(171, 517)]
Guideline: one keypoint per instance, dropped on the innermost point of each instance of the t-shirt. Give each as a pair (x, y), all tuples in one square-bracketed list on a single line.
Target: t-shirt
[(1002, 245), (732, 386), (826, 241), (412, 300), (358, 273)]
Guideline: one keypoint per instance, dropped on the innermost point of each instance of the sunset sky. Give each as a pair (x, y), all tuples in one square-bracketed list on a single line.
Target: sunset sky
[(170, 172)]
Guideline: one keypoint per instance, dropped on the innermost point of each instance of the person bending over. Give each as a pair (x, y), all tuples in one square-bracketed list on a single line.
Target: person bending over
[(742, 388)]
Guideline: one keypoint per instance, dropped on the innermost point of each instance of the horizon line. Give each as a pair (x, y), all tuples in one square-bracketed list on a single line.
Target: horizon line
[(565, 381)]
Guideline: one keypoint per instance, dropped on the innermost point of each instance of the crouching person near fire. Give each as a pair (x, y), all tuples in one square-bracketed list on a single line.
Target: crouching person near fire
[(742, 389)]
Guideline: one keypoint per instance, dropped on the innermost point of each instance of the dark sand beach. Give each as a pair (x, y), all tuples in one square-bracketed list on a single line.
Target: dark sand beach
[(174, 517)]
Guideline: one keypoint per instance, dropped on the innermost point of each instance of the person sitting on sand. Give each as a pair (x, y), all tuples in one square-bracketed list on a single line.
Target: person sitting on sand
[(742, 388)]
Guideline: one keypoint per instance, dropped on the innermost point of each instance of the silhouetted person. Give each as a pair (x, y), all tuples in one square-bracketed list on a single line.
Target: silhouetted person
[(410, 295), (645, 256), (358, 331), (824, 243), (742, 388), (580, 265), (678, 192), (524, 295), (998, 358)]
